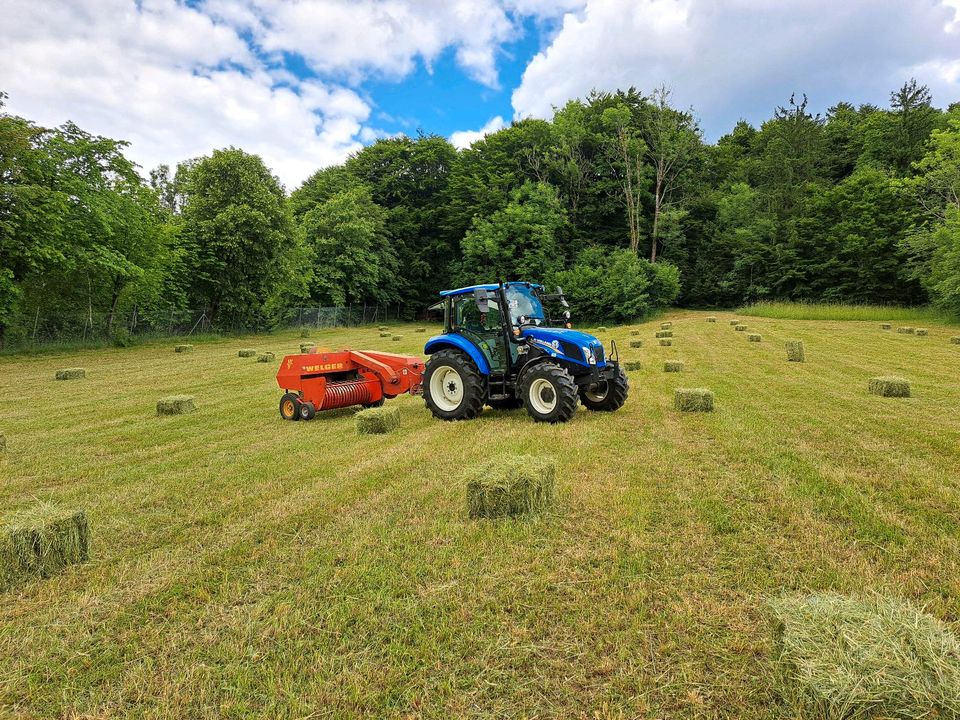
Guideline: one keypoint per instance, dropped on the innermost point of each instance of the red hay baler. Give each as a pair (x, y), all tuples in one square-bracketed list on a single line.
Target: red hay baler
[(323, 380)]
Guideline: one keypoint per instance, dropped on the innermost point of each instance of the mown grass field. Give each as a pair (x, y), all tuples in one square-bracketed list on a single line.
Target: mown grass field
[(247, 567)]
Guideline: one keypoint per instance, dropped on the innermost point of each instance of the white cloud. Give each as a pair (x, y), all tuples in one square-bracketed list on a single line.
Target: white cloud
[(733, 58), (465, 138)]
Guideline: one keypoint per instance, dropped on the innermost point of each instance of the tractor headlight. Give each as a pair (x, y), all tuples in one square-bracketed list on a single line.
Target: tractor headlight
[(588, 354)]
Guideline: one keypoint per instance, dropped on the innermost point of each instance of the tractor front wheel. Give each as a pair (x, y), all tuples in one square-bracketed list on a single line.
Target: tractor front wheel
[(549, 393), (608, 395), (452, 386)]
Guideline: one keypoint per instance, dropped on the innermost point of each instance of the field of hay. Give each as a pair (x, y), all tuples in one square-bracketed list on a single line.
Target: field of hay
[(242, 566)]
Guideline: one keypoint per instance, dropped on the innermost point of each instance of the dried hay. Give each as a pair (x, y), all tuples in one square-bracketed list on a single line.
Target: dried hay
[(889, 386), (377, 421), (176, 405), (845, 657), (71, 374), (511, 486), (693, 400), (41, 541)]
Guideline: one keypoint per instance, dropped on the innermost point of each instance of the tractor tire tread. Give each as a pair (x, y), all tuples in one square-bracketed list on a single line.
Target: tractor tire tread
[(566, 397), (474, 395), (617, 391)]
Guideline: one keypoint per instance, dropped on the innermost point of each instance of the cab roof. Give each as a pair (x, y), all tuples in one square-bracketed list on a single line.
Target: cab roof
[(489, 287)]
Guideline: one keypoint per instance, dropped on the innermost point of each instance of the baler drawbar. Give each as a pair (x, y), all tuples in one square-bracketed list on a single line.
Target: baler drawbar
[(323, 380)]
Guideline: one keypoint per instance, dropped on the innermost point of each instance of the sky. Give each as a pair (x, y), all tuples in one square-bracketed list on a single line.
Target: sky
[(304, 83)]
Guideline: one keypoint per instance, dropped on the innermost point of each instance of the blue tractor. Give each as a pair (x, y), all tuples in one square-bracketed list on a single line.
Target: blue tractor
[(500, 348)]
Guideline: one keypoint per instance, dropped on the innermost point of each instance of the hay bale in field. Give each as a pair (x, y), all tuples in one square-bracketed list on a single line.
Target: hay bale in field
[(693, 400), (955, 340), (377, 421), (755, 337), (41, 541), (666, 325), (905, 330), (247, 352), (183, 348), (176, 405), (602, 328), (673, 366), (420, 330), (510, 486), (395, 338), (266, 357), (889, 386), (795, 351), (634, 332), (885, 326), (306, 347), (664, 333), (844, 657), (636, 343), (304, 333), (382, 328), (740, 328), (711, 319), (632, 365), (71, 374), (734, 323), (386, 334), (921, 331), (666, 342), (3, 442)]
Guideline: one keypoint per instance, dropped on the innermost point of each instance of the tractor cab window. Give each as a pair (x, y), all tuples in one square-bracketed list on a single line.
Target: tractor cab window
[(467, 316), (525, 306)]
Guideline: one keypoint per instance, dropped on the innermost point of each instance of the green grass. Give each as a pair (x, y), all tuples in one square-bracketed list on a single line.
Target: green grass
[(827, 311), (242, 566)]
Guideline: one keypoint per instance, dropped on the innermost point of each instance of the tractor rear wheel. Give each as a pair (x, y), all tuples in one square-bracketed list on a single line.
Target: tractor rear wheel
[(452, 386), (606, 396), (549, 393), (290, 406)]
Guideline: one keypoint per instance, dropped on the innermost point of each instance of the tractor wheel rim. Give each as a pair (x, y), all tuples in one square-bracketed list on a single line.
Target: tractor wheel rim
[(597, 392), (543, 396), (446, 388)]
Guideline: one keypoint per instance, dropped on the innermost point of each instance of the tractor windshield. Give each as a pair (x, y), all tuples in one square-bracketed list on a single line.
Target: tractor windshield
[(525, 306)]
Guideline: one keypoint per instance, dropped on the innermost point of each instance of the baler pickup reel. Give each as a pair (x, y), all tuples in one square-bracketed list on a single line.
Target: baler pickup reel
[(324, 380)]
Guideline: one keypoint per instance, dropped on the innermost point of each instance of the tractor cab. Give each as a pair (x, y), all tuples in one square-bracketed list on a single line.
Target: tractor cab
[(503, 336)]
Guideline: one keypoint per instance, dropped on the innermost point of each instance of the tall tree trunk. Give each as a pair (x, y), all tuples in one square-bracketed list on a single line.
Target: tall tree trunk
[(114, 301)]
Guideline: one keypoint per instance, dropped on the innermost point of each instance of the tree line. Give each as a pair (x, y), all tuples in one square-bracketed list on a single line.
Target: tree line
[(617, 198)]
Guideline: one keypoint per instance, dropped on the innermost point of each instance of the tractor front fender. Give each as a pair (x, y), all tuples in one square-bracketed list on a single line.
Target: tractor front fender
[(458, 342)]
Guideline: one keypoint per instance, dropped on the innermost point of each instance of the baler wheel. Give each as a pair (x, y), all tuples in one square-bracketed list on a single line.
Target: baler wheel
[(290, 406), (376, 403), (307, 411)]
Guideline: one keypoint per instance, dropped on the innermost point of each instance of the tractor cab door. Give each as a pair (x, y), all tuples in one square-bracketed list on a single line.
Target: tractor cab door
[(483, 329)]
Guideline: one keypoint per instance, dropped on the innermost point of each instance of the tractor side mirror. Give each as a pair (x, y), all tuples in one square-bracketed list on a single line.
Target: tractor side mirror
[(482, 299), (563, 300)]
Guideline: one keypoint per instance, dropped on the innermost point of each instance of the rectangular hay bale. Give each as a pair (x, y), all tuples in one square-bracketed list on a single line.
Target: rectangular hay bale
[(636, 343), (885, 326), (632, 365), (266, 357), (384, 333), (795, 351), (740, 328), (183, 348), (693, 400), (711, 319), (666, 342), (176, 405), (922, 331), (246, 352), (71, 374), (40, 541), (396, 338), (3, 442), (634, 332), (511, 486), (306, 347), (420, 330), (755, 337), (666, 325), (673, 366), (734, 323), (840, 656), (377, 421), (664, 333), (889, 386), (905, 330), (382, 328), (955, 340)]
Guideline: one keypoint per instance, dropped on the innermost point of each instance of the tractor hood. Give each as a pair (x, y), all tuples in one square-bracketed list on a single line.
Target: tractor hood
[(563, 343)]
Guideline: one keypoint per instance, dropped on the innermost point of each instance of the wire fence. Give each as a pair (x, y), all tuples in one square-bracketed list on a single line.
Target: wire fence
[(39, 328)]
